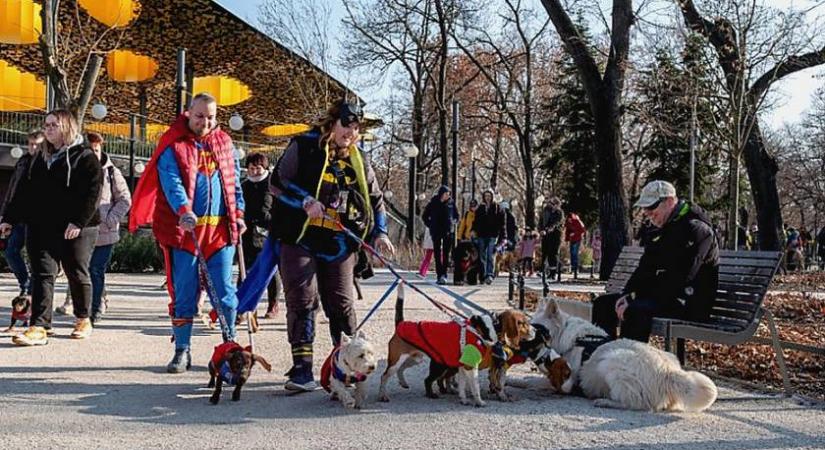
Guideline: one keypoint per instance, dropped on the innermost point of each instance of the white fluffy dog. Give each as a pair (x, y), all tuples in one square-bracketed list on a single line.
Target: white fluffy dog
[(349, 364), (623, 373)]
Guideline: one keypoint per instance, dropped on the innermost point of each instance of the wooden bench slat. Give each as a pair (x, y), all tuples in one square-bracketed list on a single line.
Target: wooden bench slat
[(733, 304), (746, 262), (761, 271), (761, 280), (740, 287), (736, 314)]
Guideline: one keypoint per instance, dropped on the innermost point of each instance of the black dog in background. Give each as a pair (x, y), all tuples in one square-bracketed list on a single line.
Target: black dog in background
[(467, 266)]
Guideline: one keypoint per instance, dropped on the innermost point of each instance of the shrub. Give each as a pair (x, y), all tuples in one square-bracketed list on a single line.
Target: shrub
[(136, 253)]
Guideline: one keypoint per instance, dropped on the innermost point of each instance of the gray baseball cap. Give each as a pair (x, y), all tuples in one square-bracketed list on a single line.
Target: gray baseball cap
[(653, 192)]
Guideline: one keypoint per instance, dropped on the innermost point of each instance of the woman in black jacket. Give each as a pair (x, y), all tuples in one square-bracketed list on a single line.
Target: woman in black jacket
[(57, 200)]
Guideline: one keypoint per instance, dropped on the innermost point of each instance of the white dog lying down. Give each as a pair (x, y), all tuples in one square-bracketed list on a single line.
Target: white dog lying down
[(623, 373)]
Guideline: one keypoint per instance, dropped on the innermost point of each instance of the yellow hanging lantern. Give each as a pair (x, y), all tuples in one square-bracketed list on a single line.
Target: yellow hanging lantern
[(19, 22), (226, 90), (285, 130), (114, 13), (19, 90), (123, 130), (126, 66)]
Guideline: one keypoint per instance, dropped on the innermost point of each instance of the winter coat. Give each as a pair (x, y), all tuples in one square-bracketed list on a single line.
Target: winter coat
[(681, 261), (574, 228), (489, 221), (115, 200), (55, 193), (465, 227), (439, 217), (20, 170), (551, 219), (510, 227), (258, 204)]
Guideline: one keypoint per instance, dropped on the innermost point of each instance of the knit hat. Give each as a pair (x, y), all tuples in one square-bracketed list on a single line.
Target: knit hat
[(442, 189)]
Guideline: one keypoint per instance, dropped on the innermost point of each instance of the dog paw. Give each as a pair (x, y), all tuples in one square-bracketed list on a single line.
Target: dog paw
[(433, 395), (383, 398), (464, 401), (348, 403), (479, 403), (214, 400), (606, 403)]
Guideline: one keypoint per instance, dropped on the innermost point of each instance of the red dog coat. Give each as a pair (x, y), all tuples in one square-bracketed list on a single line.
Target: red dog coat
[(441, 341)]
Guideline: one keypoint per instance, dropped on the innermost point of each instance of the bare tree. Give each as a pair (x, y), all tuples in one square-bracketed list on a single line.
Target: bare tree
[(510, 72), (73, 54), (755, 46), (604, 93)]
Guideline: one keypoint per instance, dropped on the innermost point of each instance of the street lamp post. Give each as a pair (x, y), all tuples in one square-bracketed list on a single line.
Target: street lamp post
[(411, 152)]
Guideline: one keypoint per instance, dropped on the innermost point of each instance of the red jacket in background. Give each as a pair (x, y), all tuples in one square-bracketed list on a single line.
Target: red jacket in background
[(574, 228)]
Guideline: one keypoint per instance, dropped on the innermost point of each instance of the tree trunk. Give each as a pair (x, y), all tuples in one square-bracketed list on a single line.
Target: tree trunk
[(613, 219), (762, 169), (733, 203)]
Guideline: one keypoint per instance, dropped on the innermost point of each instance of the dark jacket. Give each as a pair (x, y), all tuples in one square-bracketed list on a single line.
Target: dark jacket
[(439, 217), (258, 203), (680, 262), (510, 227), (65, 192), (20, 170), (489, 222), (551, 219)]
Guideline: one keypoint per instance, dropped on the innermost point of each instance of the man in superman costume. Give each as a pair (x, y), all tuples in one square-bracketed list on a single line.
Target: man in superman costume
[(191, 186)]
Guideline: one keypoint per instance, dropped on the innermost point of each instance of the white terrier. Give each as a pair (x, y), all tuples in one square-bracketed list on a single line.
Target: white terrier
[(350, 363)]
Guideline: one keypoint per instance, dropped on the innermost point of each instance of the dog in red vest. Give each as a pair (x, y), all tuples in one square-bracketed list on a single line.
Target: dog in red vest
[(232, 364), (349, 364)]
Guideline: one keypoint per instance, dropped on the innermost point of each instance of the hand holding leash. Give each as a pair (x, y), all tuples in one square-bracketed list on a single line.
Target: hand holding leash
[(188, 221), (621, 306)]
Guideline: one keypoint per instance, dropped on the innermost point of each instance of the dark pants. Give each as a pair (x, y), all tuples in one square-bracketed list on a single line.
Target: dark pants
[(98, 266), (550, 244), (638, 317), (441, 252), (14, 257), (47, 247), (309, 281)]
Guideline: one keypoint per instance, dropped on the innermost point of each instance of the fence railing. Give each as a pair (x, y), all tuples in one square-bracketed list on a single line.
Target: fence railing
[(15, 126)]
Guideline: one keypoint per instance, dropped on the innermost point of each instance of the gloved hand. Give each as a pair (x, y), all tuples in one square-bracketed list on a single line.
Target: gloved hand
[(188, 221)]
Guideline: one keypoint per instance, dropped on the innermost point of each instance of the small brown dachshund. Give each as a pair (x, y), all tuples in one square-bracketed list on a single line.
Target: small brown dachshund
[(21, 310), (232, 364)]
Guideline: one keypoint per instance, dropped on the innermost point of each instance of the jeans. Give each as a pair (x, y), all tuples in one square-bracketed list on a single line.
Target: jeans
[(574, 256), (638, 317), (97, 272), (486, 251), (14, 258)]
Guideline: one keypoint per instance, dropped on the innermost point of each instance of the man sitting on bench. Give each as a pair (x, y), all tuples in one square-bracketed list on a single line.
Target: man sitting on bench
[(678, 272)]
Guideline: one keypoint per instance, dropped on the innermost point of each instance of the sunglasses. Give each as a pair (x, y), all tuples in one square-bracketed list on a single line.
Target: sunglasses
[(653, 206)]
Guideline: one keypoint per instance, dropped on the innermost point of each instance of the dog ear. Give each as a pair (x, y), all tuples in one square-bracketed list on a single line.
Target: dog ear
[(345, 339), (509, 326), (361, 335), (263, 362)]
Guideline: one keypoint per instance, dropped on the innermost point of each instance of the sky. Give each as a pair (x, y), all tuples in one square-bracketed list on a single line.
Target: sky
[(793, 93)]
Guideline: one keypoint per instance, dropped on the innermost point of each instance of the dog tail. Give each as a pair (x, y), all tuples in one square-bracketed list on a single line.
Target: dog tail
[(693, 390), (399, 304)]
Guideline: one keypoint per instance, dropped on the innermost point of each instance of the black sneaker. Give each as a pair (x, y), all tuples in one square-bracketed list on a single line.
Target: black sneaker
[(300, 379), (181, 362)]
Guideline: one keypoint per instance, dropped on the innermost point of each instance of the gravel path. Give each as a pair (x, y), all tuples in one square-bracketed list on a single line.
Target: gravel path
[(111, 392)]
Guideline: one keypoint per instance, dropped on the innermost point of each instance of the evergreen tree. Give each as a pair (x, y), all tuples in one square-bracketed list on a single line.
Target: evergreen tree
[(668, 92), (567, 152)]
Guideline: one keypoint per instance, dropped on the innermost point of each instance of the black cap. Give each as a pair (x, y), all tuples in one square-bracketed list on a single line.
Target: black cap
[(350, 113)]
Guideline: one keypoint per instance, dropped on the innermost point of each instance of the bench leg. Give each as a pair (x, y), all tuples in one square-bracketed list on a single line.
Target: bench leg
[(780, 357), (667, 337), (680, 350), (510, 288)]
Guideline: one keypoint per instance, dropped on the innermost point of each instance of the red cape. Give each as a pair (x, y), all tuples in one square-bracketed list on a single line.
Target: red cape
[(146, 192)]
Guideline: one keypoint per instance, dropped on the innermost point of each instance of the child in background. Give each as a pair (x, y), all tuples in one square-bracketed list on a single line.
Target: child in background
[(427, 244), (596, 246), (526, 250)]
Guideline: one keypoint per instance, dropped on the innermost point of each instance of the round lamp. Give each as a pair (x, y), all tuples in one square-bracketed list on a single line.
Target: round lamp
[(236, 122), (16, 152), (99, 111)]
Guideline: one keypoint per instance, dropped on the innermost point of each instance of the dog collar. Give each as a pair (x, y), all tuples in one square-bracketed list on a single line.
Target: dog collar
[(342, 376)]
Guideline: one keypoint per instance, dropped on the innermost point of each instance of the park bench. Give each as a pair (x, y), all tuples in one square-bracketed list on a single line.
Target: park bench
[(744, 277)]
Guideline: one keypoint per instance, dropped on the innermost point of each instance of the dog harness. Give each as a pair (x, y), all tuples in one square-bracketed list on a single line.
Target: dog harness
[(331, 370), (218, 358), (590, 343), (450, 344)]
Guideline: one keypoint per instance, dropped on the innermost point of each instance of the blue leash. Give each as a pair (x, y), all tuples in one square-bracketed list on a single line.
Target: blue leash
[(378, 303)]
